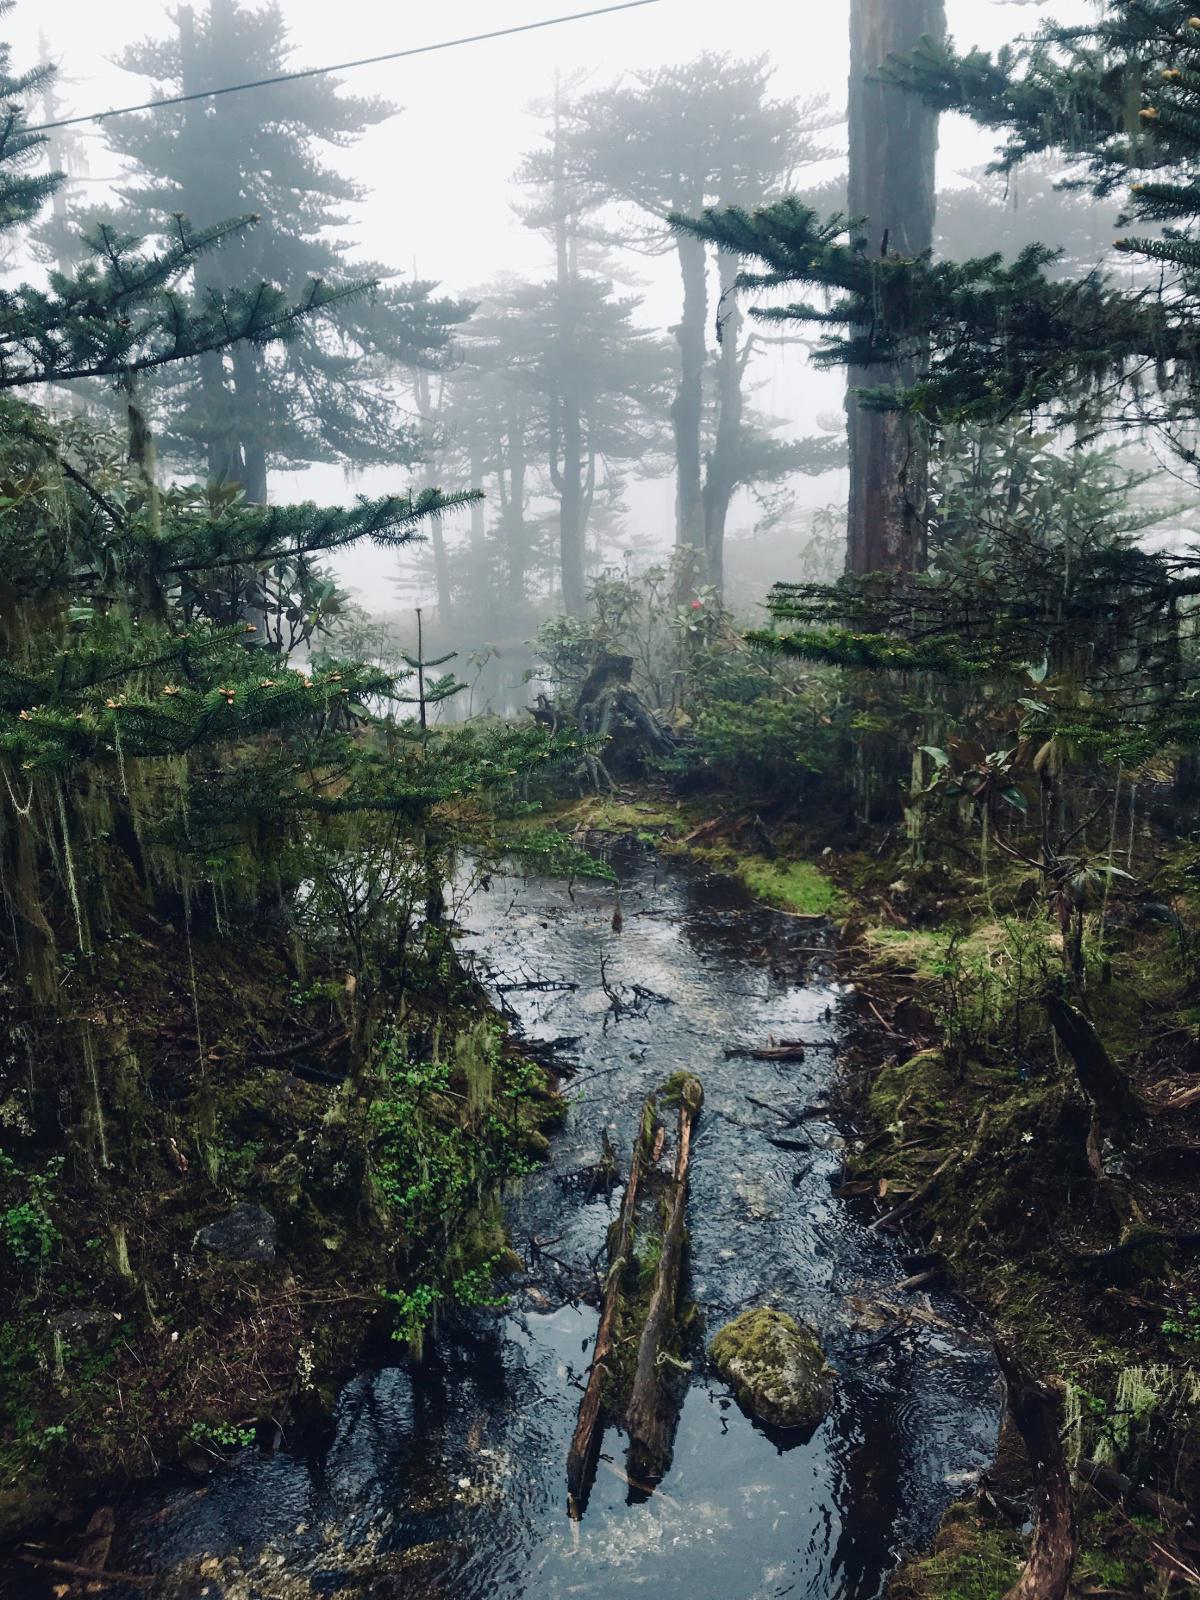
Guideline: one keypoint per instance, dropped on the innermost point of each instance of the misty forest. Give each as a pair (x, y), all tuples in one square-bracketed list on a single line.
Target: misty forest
[(599, 865)]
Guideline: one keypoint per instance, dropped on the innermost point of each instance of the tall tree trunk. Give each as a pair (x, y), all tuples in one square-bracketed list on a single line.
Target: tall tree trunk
[(251, 449), (478, 507), (224, 458), (423, 396), (893, 152), (721, 465), (568, 478), (518, 533), (566, 472), (687, 409)]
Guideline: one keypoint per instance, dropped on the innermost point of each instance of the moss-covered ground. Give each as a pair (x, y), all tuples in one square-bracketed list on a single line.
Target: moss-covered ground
[(123, 1345)]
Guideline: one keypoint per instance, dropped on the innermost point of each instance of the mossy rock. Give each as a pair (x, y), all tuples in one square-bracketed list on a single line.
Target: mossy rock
[(775, 1367)]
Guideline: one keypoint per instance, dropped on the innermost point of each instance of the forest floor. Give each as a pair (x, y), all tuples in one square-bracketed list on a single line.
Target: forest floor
[(126, 1345), (970, 1130), (131, 1347)]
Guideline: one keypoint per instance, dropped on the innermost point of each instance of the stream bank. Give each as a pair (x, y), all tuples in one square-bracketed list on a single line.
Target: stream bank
[(952, 1050), (448, 1475)]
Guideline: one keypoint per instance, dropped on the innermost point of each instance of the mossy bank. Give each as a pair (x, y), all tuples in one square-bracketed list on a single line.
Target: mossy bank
[(138, 1329)]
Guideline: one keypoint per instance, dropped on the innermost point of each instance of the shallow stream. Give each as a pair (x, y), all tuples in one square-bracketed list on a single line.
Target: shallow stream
[(448, 1480)]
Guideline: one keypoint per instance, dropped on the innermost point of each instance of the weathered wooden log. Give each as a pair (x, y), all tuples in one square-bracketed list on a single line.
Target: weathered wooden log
[(1101, 1080), (581, 1457), (1114, 1485), (786, 1050), (1037, 1410), (649, 1417)]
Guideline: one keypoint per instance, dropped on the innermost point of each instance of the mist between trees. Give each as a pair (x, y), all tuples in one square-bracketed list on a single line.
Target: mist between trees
[(947, 644)]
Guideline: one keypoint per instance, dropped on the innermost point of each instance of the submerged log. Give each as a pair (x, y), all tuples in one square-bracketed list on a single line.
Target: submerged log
[(636, 1363), (581, 1457), (649, 1417)]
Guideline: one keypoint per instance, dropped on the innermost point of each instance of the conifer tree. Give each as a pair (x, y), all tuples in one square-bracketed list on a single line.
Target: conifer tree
[(129, 707), (1015, 342), (1006, 338), (330, 393), (675, 140), (557, 389)]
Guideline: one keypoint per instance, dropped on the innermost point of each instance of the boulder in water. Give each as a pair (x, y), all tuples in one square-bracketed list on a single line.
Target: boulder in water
[(775, 1367)]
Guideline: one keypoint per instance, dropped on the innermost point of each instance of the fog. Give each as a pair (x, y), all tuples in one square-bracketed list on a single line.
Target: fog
[(440, 173)]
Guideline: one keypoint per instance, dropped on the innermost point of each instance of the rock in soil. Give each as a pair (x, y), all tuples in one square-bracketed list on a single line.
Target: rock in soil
[(246, 1234)]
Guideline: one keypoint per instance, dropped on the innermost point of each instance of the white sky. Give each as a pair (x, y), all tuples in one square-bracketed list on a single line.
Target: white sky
[(439, 174)]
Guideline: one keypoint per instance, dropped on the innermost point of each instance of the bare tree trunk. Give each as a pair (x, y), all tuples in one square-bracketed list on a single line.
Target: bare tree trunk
[(518, 533), (247, 384), (721, 466), (1037, 1410), (423, 395), (478, 507), (687, 409), (569, 482), (893, 151)]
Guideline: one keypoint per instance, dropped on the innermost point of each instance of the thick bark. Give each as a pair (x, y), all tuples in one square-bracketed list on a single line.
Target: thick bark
[(1037, 1410), (721, 466), (687, 409), (893, 150)]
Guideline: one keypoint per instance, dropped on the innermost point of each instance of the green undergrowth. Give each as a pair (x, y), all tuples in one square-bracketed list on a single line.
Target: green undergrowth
[(977, 1556), (975, 1111), (123, 1344)]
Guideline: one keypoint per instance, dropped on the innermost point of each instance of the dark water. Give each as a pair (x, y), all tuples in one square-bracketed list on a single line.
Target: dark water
[(449, 1481)]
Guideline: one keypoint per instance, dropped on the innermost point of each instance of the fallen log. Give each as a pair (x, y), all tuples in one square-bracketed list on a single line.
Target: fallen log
[(1114, 1485), (649, 1416), (788, 1051), (1037, 1410), (581, 1457), (96, 1577), (1102, 1081)]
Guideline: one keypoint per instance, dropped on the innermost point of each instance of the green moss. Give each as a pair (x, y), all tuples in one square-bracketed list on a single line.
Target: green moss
[(775, 1367), (792, 886), (969, 1561), (915, 1089)]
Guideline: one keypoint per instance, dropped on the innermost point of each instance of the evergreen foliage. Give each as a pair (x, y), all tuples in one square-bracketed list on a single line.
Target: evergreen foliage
[(330, 393), (132, 713)]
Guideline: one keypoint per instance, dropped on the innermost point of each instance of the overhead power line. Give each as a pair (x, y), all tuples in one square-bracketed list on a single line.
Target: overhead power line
[(343, 66)]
